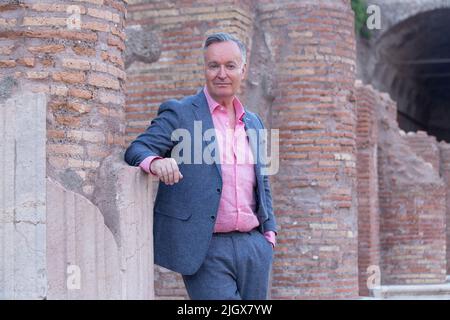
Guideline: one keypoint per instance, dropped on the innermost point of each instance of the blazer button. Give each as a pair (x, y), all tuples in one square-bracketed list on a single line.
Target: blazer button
[(213, 217), (218, 190)]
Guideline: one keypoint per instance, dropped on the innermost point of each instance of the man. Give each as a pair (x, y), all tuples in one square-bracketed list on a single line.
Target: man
[(213, 220)]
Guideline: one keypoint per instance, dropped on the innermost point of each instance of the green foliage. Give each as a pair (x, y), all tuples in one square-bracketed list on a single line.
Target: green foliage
[(360, 9)]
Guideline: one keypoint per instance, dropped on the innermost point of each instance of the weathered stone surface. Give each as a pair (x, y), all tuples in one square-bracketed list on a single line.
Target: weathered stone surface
[(78, 238), (22, 197), (6, 86), (142, 45), (114, 255), (125, 196), (414, 292)]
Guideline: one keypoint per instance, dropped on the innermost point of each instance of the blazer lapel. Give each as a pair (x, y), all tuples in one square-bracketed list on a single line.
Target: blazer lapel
[(203, 114), (253, 139)]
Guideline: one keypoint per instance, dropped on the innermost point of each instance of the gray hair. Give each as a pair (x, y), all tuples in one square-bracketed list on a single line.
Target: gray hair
[(223, 37)]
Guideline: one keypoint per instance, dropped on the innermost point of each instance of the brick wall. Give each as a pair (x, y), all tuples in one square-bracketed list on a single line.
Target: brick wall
[(181, 27), (23, 222), (316, 256), (444, 149), (424, 146), (367, 182), (72, 52), (412, 207)]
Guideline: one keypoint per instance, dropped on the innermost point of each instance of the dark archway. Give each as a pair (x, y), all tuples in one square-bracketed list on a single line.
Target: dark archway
[(412, 64)]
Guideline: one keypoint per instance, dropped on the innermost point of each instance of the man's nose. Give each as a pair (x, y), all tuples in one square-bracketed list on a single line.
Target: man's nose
[(222, 72)]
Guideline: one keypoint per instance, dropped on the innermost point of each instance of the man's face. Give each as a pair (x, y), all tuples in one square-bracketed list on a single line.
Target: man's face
[(224, 70)]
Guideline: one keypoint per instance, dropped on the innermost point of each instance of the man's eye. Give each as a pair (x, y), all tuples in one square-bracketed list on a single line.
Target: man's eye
[(213, 66), (231, 66)]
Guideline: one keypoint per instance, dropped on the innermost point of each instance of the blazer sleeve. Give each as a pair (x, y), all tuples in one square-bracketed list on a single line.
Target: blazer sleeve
[(270, 224), (156, 140)]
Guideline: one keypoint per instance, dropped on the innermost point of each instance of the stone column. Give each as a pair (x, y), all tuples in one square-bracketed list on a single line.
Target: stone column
[(22, 196), (312, 49), (367, 191), (72, 52)]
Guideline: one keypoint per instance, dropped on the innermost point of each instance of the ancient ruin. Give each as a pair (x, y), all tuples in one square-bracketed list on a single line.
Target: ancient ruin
[(361, 196)]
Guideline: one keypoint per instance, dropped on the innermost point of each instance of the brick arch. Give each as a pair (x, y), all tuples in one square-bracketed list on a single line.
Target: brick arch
[(409, 62), (395, 12)]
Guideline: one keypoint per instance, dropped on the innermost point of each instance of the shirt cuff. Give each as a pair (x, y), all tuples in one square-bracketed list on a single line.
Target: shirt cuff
[(270, 236), (145, 164)]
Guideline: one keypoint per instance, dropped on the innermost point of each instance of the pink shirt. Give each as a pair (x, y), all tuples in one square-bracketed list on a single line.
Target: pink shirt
[(237, 203)]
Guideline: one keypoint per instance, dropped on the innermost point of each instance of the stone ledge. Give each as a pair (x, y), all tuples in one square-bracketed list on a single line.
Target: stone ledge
[(411, 292)]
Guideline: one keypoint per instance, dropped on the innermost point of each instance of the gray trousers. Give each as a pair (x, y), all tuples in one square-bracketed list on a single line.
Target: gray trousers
[(237, 266)]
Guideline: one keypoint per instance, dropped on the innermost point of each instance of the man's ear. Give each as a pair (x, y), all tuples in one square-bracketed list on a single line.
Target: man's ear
[(244, 71)]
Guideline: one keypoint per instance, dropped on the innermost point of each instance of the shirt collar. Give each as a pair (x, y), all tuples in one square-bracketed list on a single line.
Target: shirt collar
[(213, 104)]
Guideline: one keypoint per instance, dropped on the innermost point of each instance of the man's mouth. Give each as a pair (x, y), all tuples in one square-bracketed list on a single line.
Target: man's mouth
[(222, 84)]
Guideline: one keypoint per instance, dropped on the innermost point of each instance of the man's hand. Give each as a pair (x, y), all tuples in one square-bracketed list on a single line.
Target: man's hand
[(167, 170)]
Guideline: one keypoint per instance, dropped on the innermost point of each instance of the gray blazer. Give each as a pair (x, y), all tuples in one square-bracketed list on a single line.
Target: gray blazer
[(185, 212)]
